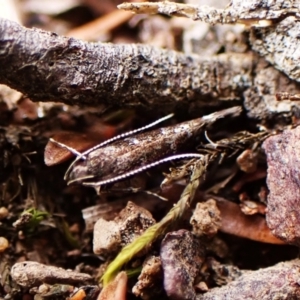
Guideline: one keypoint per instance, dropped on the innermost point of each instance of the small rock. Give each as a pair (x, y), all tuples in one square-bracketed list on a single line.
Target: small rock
[(149, 283), (283, 180), (247, 161), (56, 291), (182, 256), (107, 238), (111, 236), (277, 282), (206, 219)]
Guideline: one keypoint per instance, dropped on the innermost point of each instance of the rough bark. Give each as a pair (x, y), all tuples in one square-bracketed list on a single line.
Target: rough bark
[(279, 45)]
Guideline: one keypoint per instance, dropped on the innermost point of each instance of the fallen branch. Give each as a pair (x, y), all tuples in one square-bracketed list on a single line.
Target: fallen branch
[(48, 67)]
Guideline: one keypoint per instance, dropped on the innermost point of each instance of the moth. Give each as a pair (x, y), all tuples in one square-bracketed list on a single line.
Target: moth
[(130, 153)]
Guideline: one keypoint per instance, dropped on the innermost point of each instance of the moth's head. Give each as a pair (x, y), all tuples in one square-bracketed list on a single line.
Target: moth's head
[(83, 170), (79, 172)]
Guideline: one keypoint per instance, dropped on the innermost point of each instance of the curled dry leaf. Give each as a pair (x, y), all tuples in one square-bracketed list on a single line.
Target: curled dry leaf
[(98, 132), (235, 222)]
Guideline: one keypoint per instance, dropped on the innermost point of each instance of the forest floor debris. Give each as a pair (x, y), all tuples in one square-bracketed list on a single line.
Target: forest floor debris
[(220, 222)]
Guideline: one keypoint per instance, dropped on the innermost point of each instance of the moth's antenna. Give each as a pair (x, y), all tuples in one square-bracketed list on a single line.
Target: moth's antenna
[(72, 150), (80, 179), (118, 137), (210, 141), (142, 169), (124, 135)]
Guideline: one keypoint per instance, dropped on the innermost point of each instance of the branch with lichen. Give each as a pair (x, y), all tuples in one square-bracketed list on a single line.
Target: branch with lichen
[(236, 12), (157, 230), (205, 13)]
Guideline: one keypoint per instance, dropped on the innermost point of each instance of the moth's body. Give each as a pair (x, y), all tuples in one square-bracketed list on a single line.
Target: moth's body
[(136, 151), (141, 149)]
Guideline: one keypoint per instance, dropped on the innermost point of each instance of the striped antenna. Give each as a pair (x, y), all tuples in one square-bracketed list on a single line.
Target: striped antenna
[(72, 150), (215, 146), (142, 169)]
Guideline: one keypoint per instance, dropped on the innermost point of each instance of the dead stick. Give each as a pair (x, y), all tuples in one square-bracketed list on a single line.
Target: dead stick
[(48, 67)]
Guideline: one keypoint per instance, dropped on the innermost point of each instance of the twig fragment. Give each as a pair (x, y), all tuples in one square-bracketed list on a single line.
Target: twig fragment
[(195, 12), (30, 273)]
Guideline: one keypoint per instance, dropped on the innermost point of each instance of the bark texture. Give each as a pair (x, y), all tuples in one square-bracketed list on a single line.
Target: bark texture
[(47, 67)]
